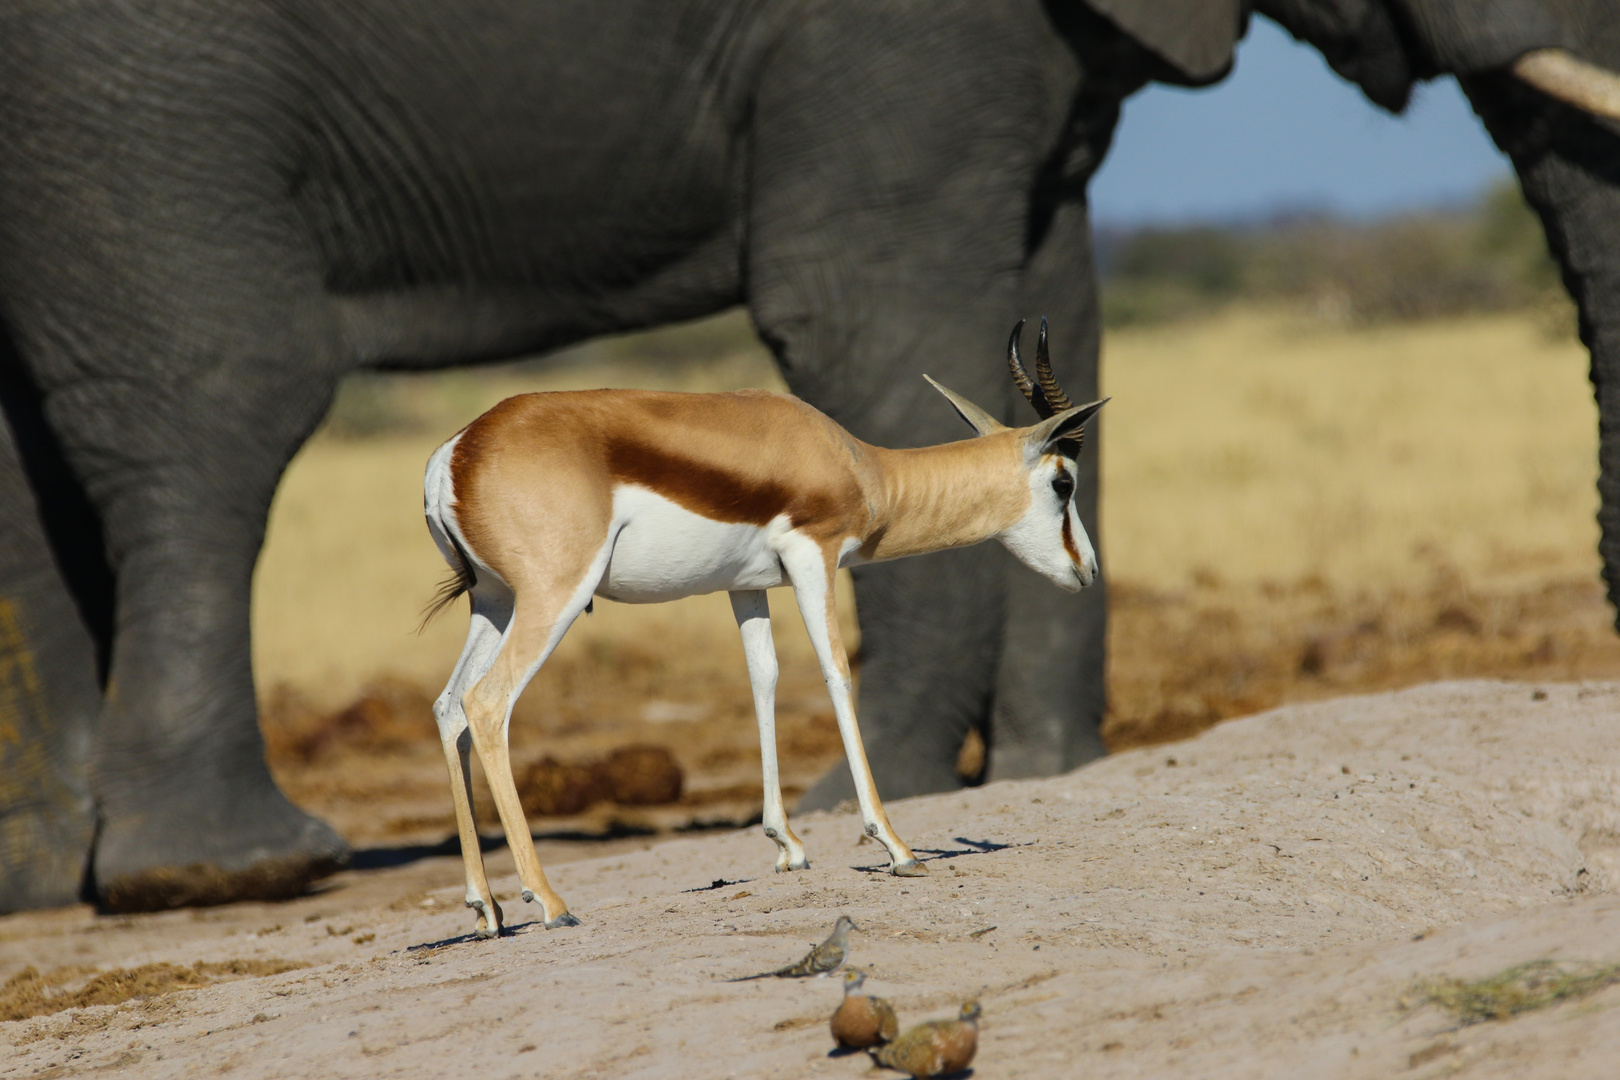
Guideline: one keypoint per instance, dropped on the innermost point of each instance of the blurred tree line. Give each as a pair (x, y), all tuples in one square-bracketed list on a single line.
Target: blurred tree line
[(1489, 257)]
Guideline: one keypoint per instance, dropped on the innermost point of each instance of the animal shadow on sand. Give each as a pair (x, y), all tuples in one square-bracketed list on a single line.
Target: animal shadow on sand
[(375, 859), (387, 858), (844, 1052), (959, 1074), (462, 939), (718, 883), (971, 847)]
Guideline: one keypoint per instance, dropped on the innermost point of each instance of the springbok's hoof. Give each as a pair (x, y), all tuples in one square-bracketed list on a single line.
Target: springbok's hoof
[(909, 868), (489, 919), (565, 919)]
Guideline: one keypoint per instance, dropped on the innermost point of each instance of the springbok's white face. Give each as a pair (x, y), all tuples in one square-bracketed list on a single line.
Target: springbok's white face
[(1050, 538)]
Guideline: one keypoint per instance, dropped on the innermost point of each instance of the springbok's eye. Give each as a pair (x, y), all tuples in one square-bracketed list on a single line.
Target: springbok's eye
[(1063, 486)]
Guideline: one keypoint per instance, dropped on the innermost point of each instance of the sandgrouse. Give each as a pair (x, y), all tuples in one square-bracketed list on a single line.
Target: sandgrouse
[(936, 1048), (821, 960), (861, 1021)]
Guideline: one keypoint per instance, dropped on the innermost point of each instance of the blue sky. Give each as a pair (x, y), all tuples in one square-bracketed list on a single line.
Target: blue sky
[(1285, 133)]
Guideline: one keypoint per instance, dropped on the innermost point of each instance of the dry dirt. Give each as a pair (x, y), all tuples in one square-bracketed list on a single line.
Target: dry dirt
[(1267, 899), (1180, 660)]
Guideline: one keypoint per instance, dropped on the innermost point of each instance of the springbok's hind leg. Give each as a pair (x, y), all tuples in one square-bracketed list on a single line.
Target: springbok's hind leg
[(542, 616), (754, 621), (490, 615), (811, 569)]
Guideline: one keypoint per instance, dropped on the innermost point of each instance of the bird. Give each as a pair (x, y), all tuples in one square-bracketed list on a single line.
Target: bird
[(824, 959), (861, 1021), (936, 1048)]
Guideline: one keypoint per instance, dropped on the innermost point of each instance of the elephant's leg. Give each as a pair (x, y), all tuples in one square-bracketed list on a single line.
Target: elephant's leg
[(181, 465), (1051, 686), (891, 232), (1569, 168), (50, 690)]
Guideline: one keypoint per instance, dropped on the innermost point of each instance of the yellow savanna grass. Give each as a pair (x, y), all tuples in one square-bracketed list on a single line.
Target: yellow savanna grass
[(1255, 447), (1263, 447)]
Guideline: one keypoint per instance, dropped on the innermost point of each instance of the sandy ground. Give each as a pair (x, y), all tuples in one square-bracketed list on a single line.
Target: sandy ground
[(1264, 900)]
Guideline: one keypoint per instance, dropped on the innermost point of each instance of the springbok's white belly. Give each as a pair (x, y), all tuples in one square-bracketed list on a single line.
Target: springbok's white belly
[(662, 551)]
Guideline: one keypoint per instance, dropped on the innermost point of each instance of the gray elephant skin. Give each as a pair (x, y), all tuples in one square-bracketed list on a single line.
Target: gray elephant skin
[(211, 211)]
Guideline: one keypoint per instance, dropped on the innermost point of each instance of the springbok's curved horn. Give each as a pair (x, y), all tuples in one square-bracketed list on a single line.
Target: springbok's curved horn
[(1571, 80), (1056, 399), (1021, 377)]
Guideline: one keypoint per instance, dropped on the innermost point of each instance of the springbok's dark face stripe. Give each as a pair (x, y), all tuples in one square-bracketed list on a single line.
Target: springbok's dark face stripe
[(1068, 538)]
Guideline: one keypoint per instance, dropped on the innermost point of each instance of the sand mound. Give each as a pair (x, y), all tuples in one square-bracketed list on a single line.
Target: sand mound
[(1277, 897)]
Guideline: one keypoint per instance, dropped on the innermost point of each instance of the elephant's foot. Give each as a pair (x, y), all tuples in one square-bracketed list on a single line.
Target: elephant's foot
[(44, 847), (199, 845)]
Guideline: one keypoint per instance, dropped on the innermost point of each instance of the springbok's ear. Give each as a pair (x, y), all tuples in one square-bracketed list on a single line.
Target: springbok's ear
[(981, 421), (1064, 427)]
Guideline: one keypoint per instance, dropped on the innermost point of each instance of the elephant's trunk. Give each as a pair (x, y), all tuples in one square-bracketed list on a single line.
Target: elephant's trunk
[(1569, 168)]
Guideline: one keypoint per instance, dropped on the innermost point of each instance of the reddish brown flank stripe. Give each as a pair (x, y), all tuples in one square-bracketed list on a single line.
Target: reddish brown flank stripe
[(716, 493), (746, 473)]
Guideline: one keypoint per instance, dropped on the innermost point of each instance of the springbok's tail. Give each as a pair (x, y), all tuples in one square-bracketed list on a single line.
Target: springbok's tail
[(461, 580), (438, 498)]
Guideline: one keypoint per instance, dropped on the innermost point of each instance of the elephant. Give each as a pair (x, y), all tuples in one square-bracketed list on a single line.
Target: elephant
[(210, 212)]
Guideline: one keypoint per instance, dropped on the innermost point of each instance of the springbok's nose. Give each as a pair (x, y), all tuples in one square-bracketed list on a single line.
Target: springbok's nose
[(1087, 570)]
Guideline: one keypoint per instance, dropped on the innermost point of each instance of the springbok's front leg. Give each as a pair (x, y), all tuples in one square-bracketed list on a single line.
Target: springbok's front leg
[(754, 621), (811, 569)]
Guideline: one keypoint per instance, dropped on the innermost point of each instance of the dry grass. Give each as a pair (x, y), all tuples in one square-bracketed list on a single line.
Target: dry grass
[(1263, 448), (1292, 510), (1518, 989), (32, 993)]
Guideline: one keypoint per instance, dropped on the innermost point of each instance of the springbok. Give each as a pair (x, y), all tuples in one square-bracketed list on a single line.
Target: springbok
[(550, 499)]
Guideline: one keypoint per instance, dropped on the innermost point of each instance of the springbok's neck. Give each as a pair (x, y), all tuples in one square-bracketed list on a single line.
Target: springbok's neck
[(948, 496)]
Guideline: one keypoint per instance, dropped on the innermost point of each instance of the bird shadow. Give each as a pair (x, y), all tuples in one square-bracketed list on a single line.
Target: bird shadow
[(970, 847), (959, 1074)]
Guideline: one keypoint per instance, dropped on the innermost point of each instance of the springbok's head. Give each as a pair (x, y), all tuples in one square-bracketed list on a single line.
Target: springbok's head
[(1049, 537)]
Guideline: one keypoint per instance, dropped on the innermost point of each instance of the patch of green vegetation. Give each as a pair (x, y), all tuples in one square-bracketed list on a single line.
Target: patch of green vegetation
[(1518, 989), (1485, 258)]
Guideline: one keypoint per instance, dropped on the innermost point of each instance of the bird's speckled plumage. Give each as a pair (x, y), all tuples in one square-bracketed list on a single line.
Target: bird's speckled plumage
[(936, 1048), (861, 1021), (824, 959)]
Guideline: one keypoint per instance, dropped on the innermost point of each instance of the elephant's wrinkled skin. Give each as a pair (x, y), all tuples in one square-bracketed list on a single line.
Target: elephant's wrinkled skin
[(210, 211)]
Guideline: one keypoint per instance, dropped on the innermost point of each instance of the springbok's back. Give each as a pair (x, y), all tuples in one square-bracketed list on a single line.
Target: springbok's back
[(686, 490)]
